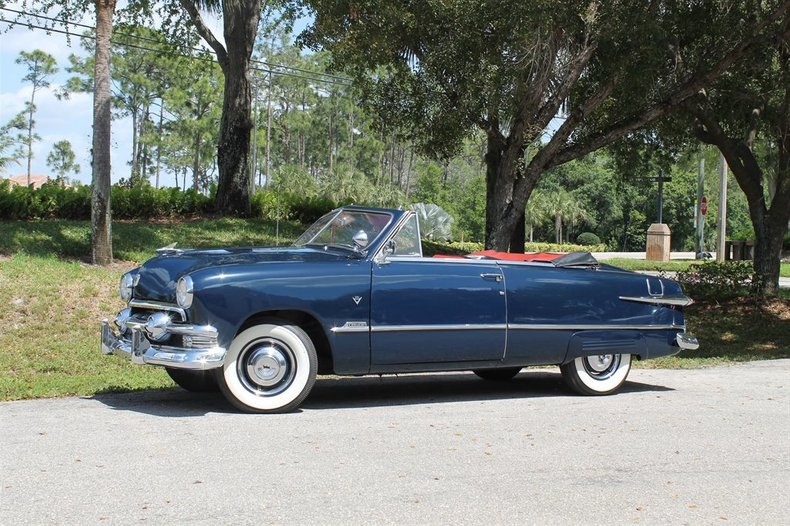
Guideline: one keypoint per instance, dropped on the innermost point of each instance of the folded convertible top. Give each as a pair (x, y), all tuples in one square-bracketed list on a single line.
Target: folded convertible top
[(573, 259)]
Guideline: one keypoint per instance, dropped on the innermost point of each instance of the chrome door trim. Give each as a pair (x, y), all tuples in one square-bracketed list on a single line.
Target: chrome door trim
[(501, 326), (448, 327), (591, 327)]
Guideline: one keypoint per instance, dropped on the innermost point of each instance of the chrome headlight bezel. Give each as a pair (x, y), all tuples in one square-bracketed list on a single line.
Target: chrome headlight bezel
[(126, 287), (184, 292)]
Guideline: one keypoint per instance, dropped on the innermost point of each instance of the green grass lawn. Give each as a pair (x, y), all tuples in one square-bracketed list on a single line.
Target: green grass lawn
[(51, 303), (136, 241)]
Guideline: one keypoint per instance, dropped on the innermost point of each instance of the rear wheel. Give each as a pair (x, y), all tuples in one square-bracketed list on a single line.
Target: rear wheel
[(498, 375), (269, 368), (194, 381), (597, 375)]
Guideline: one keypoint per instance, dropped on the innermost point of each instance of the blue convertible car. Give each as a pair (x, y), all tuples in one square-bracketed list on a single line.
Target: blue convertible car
[(354, 295)]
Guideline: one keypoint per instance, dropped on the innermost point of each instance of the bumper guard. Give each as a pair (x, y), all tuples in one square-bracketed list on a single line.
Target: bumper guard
[(142, 352)]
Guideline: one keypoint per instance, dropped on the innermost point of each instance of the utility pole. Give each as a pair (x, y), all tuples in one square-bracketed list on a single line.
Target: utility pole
[(698, 215), (254, 168), (269, 130), (721, 236)]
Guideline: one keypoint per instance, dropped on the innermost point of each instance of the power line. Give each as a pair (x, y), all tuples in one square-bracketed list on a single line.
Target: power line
[(281, 69)]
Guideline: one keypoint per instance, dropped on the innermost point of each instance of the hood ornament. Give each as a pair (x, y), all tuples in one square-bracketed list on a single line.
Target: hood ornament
[(169, 250)]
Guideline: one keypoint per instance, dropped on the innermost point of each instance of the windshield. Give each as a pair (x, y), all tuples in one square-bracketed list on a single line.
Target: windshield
[(351, 229)]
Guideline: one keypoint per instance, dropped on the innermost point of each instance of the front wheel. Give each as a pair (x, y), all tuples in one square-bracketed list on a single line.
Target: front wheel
[(269, 368), (597, 375)]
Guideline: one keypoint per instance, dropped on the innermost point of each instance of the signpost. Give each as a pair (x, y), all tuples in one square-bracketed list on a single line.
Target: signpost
[(658, 235), (703, 205), (660, 180)]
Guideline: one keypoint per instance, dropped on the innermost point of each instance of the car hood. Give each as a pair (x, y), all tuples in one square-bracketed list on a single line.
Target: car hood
[(158, 275)]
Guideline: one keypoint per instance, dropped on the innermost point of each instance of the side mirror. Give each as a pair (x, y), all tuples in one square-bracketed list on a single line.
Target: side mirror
[(360, 239), (388, 249)]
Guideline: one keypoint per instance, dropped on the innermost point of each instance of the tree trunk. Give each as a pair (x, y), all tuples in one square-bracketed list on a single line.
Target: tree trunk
[(159, 145), (233, 151), (558, 229), (196, 162), (30, 134), (135, 142), (101, 225), (503, 210), (769, 222), (518, 238)]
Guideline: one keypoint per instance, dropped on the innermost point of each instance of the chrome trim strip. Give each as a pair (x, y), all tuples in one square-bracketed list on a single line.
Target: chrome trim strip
[(518, 327), (680, 301), (158, 305), (193, 330), (591, 327), (351, 326), (449, 327), (460, 260)]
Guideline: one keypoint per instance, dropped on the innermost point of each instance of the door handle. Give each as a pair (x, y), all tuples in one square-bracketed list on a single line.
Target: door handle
[(492, 277)]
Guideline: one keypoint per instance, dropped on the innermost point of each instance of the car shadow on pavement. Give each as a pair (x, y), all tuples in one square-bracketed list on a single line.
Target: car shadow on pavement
[(367, 391), (415, 389), (174, 402)]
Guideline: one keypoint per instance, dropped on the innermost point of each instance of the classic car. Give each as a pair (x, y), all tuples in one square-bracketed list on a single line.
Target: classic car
[(354, 295)]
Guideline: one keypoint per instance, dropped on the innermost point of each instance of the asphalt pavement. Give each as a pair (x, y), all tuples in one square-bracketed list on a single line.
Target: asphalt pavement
[(704, 446)]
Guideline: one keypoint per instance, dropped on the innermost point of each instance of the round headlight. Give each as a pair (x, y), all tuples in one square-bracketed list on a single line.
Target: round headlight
[(126, 286), (184, 292)]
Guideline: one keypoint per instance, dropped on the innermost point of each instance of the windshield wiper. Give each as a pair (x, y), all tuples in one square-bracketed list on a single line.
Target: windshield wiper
[(344, 248)]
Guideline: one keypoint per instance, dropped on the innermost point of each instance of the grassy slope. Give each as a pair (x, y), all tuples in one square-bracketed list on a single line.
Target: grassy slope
[(51, 304)]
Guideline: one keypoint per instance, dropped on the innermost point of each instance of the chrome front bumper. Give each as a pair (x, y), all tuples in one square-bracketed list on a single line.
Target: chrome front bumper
[(141, 351)]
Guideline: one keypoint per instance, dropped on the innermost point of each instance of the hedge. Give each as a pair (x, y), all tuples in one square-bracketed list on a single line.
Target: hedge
[(52, 201)]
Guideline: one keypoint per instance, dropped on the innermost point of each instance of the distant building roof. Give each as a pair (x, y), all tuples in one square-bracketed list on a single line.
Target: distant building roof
[(35, 179)]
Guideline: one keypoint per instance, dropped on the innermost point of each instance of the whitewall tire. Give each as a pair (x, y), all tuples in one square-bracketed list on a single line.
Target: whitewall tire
[(597, 375), (269, 368)]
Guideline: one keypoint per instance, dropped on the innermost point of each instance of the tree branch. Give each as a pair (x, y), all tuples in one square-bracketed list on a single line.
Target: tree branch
[(740, 159), (688, 89), (205, 32)]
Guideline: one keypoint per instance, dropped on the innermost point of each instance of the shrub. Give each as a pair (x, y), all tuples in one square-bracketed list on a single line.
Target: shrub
[(307, 210), (588, 239), (267, 204), (718, 281), (52, 201)]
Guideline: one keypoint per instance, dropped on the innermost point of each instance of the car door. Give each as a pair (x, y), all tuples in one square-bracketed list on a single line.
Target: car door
[(428, 310)]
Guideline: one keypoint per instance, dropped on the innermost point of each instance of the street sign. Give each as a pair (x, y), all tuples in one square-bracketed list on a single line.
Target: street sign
[(703, 205)]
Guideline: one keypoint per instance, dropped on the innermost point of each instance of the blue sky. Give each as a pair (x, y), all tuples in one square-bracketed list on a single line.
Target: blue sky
[(57, 120)]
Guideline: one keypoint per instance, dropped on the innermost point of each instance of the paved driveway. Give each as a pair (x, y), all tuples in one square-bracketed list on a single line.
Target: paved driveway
[(708, 446)]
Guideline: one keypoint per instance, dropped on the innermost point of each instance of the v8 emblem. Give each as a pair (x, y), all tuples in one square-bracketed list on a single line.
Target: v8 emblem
[(357, 299)]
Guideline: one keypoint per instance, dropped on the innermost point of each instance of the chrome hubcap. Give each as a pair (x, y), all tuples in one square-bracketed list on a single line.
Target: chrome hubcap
[(602, 366), (266, 367)]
